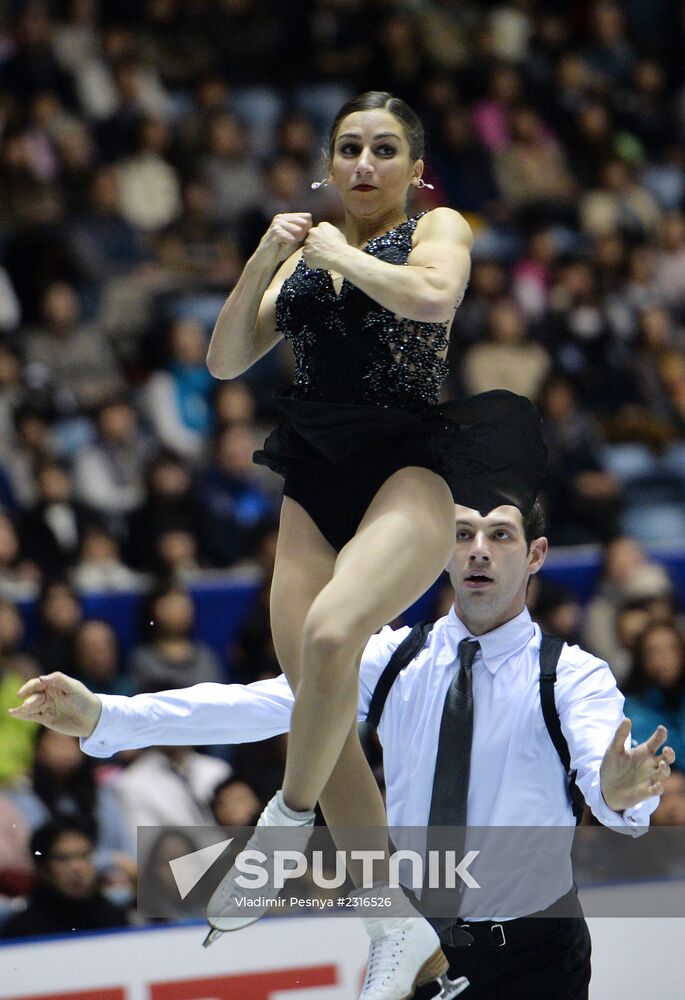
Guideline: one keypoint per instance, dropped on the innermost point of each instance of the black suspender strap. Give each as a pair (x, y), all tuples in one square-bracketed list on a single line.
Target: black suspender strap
[(403, 655), (550, 651)]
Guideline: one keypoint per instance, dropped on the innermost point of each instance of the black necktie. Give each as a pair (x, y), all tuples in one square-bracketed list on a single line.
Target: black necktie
[(452, 767), (453, 763)]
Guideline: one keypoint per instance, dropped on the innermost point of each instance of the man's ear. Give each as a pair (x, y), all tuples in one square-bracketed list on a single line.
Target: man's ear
[(537, 554)]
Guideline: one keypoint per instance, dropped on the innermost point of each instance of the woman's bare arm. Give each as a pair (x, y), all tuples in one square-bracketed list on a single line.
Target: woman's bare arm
[(246, 327), (431, 284)]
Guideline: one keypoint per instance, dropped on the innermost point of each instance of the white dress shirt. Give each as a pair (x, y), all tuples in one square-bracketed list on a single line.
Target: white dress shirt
[(516, 779)]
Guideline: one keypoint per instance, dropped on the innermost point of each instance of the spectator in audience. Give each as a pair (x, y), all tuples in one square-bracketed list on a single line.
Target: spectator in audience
[(650, 588), (620, 204), (52, 530), (296, 137), (532, 172), (18, 576), (36, 254), (622, 558), (231, 173), (103, 242), (77, 359), (109, 475), (170, 505), (66, 899), (210, 97), (31, 443), (532, 275), (582, 498), (170, 657), (658, 369), (176, 555), (12, 394), (231, 495), (16, 746), (578, 327), (16, 864), (196, 249), (670, 266), (63, 782), (59, 614), (609, 52), (557, 611), (169, 786), (158, 897), (509, 359), (99, 568), (656, 683), (178, 401), (30, 67), (234, 403), (149, 188), (13, 656), (235, 802), (492, 113), (96, 660), (464, 166), (131, 91)]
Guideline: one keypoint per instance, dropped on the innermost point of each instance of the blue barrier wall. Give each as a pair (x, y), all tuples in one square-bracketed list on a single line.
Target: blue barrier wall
[(222, 604)]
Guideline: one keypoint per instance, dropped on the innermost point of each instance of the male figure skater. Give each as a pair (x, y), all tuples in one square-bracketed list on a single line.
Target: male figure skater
[(515, 777)]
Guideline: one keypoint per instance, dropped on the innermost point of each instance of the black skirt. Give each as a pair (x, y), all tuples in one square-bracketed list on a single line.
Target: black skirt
[(335, 456)]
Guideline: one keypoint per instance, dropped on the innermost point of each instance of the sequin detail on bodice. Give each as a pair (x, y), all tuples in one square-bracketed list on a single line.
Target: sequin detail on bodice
[(350, 349)]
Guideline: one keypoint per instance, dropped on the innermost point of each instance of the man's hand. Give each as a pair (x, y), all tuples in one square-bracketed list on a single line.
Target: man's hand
[(631, 776), (60, 703)]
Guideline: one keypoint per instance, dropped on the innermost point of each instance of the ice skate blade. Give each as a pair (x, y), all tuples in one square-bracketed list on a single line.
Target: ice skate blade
[(213, 936), (450, 988)]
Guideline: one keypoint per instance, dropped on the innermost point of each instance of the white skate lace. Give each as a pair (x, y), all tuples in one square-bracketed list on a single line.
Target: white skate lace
[(384, 957)]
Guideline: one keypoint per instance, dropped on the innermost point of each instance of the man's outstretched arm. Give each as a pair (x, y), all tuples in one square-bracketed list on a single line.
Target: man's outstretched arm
[(205, 714)]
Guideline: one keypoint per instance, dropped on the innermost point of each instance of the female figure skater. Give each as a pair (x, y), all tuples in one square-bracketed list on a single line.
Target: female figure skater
[(372, 467)]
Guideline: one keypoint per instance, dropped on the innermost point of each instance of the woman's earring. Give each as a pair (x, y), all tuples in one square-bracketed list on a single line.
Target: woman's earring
[(420, 184), (319, 184)]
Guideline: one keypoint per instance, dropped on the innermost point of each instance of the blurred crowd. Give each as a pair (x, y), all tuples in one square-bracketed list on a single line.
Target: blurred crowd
[(144, 147)]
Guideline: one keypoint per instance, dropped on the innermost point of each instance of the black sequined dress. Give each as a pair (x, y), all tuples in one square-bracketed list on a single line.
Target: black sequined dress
[(364, 403)]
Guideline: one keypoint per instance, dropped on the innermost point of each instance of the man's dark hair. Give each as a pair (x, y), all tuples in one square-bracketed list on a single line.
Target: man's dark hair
[(534, 521), (45, 837)]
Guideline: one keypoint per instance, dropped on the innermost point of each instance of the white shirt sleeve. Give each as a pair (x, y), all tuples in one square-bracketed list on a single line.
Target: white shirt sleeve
[(216, 714), (590, 710), (202, 715)]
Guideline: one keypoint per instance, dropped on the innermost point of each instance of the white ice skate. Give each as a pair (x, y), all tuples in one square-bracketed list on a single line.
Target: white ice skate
[(405, 953), (223, 911)]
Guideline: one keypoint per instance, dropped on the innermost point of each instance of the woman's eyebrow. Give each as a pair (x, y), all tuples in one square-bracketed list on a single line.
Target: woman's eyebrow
[(356, 135)]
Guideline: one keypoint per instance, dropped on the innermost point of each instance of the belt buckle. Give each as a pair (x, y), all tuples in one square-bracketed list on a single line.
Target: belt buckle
[(500, 929)]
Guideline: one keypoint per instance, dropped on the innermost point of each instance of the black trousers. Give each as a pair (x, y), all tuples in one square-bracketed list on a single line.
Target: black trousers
[(545, 959)]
